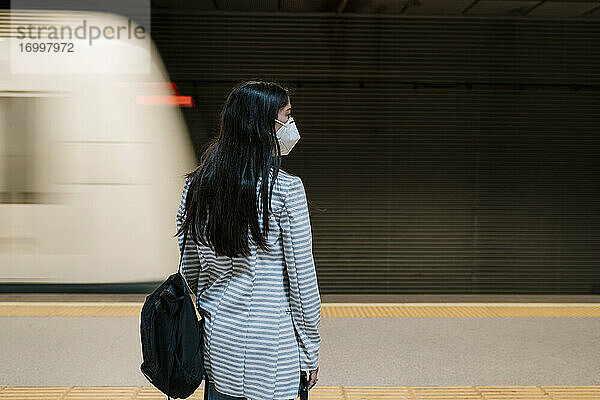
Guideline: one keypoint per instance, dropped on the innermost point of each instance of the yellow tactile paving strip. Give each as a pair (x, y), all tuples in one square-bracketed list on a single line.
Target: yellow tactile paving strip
[(323, 393), (364, 310)]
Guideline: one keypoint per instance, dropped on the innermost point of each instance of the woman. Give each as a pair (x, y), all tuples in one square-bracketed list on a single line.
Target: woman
[(252, 267)]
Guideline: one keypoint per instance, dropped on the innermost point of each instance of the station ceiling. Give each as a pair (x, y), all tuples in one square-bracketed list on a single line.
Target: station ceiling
[(443, 8)]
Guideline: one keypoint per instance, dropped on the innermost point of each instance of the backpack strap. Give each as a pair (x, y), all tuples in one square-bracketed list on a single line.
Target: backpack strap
[(182, 251), (187, 285)]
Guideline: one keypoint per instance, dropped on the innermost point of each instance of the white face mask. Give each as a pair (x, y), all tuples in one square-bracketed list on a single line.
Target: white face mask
[(287, 135)]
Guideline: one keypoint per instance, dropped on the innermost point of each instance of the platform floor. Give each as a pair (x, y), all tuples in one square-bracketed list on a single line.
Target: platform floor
[(326, 393), (87, 347)]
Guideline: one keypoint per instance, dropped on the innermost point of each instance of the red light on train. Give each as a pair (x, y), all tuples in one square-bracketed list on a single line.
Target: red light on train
[(174, 87), (184, 101), (146, 88)]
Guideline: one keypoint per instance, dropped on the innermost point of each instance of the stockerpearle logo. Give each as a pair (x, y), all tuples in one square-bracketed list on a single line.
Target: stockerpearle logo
[(76, 42), (89, 33)]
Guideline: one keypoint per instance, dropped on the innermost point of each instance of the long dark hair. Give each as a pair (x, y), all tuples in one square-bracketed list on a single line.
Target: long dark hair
[(222, 202)]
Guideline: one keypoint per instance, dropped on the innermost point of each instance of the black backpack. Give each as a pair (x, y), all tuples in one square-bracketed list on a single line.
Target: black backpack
[(172, 335)]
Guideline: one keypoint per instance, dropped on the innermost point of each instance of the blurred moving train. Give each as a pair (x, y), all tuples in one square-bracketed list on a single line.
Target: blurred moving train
[(91, 165)]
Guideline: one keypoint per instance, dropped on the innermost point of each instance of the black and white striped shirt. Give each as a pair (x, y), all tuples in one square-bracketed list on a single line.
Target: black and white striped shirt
[(262, 312)]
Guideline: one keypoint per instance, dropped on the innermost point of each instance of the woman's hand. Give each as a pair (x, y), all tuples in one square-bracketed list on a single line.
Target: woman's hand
[(312, 378)]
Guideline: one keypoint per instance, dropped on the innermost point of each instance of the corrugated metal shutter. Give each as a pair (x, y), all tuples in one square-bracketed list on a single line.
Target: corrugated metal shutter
[(423, 188)]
